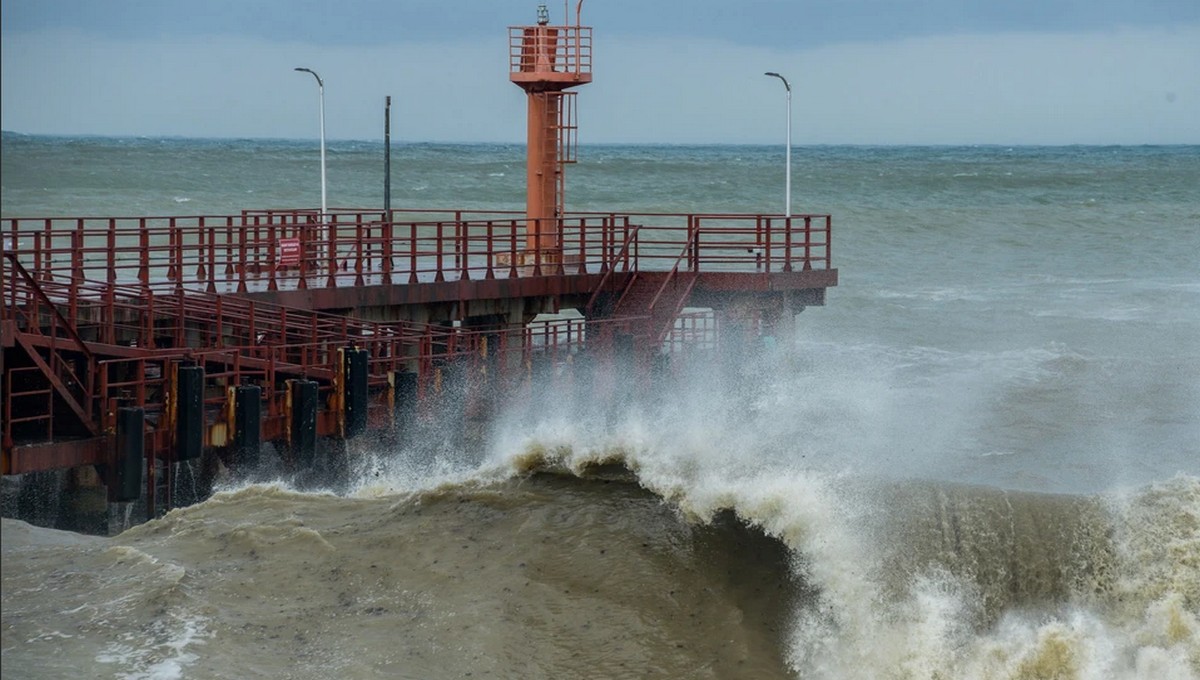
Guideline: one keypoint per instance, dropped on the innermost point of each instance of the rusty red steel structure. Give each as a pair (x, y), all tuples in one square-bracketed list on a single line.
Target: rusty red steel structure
[(101, 313), (121, 294), (545, 61), (239, 341)]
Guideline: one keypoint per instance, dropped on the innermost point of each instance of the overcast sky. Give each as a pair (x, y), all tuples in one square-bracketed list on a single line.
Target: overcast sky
[(678, 71)]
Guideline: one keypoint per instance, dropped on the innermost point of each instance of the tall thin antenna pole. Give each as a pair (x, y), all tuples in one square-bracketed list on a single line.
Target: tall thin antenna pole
[(387, 158)]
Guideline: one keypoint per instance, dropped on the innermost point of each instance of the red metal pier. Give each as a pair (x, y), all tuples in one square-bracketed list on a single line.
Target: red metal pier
[(208, 335)]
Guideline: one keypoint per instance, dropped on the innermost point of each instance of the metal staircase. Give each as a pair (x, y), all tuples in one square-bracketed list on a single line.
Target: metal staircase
[(655, 300), (67, 367)]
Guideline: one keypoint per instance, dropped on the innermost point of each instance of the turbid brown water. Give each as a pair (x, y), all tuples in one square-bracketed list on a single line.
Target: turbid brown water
[(557, 574), (536, 577)]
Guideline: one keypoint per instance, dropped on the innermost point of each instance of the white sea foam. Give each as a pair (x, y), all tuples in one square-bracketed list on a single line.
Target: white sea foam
[(162, 651), (1116, 313), (704, 453), (862, 629), (942, 294)]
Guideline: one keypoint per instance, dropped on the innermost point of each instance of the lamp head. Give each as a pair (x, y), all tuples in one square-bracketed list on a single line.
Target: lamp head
[(320, 83), (776, 75)]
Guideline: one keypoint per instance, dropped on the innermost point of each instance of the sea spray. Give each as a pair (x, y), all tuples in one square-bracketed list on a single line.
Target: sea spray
[(917, 579)]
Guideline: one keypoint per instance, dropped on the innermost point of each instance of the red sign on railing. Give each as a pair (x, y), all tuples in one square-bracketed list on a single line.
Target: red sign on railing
[(289, 252)]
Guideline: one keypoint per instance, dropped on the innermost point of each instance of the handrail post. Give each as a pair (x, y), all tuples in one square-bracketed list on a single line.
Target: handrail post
[(767, 247), (111, 255), (637, 249), (301, 234), (787, 244), (77, 273), (537, 251), (272, 256), (626, 245), (387, 230), (758, 238), (229, 268), (807, 243), (458, 229), (329, 229), (109, 322), (172, 264), (605, 224), (693, 244), (358, 251), (42, 269), (48, 242), (202, 239), (257, 243), (241, 260), (212, 260), (491, 228), (514, 254), (220, 325), (179, 255), (582, 246), (560, 231), (147, 329), (828, 241), (460, 251), (439, 244), (412, 254)]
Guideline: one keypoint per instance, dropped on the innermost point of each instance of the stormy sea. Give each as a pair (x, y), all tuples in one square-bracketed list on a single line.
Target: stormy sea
[(980, 459)]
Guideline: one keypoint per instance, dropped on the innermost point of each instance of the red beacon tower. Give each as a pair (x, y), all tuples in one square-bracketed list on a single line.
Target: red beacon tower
[(545, 61)]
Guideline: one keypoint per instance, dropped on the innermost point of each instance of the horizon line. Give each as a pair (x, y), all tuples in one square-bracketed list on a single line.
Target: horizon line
[(349, 140)]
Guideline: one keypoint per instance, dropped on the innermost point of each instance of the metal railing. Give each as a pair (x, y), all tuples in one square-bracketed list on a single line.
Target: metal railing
[(550, 49), (282, 250)]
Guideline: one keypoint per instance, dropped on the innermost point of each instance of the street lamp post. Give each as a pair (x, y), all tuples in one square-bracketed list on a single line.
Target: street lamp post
[(321, 93), (787, 197)]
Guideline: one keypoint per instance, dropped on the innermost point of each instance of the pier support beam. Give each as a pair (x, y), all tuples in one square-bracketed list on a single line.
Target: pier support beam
[(129, 456), (188, 411), (247, 426), (302, 422), (353, 387)]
